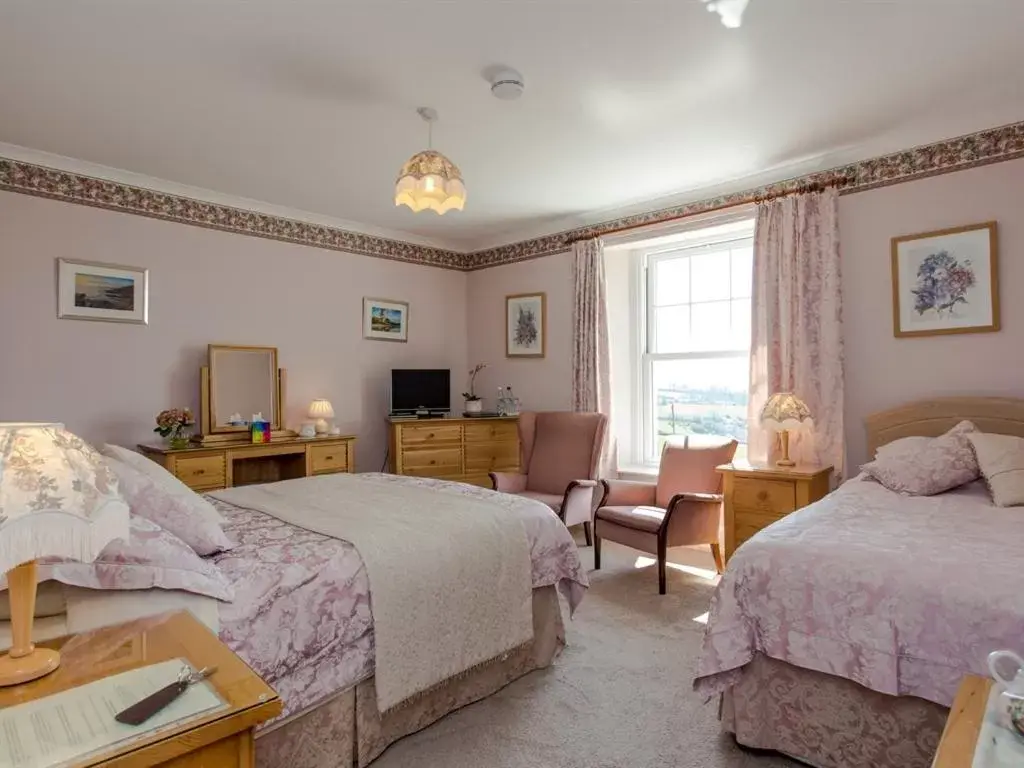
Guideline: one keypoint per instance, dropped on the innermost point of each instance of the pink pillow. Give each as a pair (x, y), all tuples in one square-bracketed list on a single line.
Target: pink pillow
[(939, 465), (149, 500), (150, 558)]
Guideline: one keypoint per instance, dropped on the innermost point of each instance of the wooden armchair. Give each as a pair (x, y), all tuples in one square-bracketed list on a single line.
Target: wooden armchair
[(683, 508)]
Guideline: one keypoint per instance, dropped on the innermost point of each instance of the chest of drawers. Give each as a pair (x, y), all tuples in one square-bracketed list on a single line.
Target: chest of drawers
[(464, 450)]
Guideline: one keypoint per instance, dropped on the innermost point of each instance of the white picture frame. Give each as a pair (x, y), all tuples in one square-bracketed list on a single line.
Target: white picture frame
[(526, 325), (385, 320), (92, 290)]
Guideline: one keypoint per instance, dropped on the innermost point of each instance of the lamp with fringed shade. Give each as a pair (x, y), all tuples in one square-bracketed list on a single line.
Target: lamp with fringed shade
[(785, 411), (58, 498)]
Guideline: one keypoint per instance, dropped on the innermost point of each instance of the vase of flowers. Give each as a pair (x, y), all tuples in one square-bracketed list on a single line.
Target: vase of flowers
[(173, 424), (473, 402)]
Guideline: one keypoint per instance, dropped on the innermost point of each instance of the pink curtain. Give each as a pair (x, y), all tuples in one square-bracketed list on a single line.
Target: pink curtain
[(591, 361), (797, 342)]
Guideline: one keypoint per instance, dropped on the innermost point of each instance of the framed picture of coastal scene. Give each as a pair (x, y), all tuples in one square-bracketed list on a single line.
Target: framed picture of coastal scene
[(946, 281), (88, 290), (526, 325), (385, 320)]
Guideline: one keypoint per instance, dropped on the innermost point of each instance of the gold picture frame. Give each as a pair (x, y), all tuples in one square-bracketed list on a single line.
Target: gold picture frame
[(946, 281), (526, 325)]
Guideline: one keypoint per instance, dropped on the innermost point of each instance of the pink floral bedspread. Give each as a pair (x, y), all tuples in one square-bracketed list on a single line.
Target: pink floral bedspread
[(903, 595), (301, 614)]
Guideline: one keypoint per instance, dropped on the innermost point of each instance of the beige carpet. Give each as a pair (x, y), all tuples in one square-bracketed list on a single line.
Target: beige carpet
[(618, 696)]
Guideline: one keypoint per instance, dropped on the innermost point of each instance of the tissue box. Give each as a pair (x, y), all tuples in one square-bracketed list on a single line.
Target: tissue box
[(261, 431)]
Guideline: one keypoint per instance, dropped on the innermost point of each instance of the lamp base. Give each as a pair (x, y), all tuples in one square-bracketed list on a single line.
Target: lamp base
[(785, 463), (15, 671), (321, 427)]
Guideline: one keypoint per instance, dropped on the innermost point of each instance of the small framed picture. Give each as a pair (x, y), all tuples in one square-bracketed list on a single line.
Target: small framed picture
[(526, 325), (946, 281), (88, 290), (385, 320)]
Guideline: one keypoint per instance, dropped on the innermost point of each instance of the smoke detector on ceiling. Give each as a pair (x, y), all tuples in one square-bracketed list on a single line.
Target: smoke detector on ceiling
[(507, 84)]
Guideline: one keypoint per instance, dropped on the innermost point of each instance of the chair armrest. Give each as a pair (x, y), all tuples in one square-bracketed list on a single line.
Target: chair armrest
[(629, 493), (698, 517), (578, 502), (508, 482), (707, 498)]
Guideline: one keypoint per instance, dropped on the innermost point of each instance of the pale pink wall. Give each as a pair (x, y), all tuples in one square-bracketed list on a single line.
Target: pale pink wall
[(881, 370), (106, 381), (542, 384)]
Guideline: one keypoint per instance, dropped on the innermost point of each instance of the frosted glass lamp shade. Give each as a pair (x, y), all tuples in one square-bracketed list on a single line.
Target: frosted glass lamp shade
[(430, 181), (321, 410)]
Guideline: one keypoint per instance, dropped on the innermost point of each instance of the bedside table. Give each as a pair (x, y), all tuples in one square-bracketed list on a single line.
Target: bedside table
[(960, 736), (221, 737), (758, 495)]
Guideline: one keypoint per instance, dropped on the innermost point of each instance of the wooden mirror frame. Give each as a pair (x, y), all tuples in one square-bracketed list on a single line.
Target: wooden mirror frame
[(210, 432)]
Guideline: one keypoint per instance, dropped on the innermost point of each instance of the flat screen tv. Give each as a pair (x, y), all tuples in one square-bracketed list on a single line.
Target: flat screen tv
[(414, 389)]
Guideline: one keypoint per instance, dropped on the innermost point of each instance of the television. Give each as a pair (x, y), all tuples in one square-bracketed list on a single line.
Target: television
[(421, 389)]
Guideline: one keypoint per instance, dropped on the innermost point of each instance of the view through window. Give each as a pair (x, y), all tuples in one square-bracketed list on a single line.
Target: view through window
[(696, 311)]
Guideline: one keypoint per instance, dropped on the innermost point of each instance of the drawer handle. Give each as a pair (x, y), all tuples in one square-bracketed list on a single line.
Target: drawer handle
[(430, 435), (762, 495), (329, 458), (433, 461), (200, 471)]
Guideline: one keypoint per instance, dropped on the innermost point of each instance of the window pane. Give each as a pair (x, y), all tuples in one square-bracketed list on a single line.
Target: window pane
[(741, 324), (712, 327), (671, 281), (704, 398), (710, 275), (742, 271), (672, 329)]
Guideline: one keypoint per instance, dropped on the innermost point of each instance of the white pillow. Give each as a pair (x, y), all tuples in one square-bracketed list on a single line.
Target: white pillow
[(165, 480), (1001, 458), (913, 443)]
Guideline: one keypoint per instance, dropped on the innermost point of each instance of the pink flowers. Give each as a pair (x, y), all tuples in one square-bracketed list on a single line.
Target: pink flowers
[(173, 421)]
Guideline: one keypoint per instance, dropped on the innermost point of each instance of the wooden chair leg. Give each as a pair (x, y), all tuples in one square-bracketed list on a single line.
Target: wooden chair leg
[(597, 553), (662, 560), (716, 552), (588, 534)]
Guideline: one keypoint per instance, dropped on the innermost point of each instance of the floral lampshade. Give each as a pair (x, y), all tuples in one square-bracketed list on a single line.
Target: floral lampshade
[(58, 498), (784, 410), (429, 180)]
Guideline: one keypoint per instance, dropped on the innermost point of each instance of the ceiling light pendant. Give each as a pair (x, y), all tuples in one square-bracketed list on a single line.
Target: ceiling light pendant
[(429, 180)]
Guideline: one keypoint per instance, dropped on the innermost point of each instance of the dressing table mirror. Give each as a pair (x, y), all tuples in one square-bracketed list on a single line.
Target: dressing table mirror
[(236, 383)]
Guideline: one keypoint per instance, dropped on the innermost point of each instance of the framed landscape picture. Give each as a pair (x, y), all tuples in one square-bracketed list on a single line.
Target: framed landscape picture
[(89, 290), (385, 320), (946, 281), (525, 325)]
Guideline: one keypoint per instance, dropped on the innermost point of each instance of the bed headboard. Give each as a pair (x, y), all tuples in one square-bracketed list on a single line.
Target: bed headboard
[(1002, 415)]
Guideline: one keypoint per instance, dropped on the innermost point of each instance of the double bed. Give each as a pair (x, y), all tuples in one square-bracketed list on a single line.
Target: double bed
[(839, 634)]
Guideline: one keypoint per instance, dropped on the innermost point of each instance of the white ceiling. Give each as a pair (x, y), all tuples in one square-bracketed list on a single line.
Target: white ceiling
[(310, 104)]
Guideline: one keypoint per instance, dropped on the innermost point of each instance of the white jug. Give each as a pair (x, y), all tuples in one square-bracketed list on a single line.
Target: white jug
[(1012, 698)]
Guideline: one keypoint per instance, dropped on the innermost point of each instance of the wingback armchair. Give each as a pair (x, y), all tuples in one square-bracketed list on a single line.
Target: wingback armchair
[(684, 506), (560, 454)]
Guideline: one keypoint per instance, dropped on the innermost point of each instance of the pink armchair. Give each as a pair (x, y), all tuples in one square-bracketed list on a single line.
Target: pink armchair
[(560, 453), (684, 507)]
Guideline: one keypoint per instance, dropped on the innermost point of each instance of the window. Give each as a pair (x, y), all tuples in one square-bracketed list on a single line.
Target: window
[(694, 338)]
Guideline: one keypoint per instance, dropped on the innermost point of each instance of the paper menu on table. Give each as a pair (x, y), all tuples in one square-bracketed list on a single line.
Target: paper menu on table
[(998, 746), (69, 726)]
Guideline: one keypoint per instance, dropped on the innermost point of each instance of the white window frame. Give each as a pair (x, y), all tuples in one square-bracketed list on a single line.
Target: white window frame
[(644, 437)]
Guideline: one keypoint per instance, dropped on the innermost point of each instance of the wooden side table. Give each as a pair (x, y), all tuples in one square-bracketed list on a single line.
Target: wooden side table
[(960, 736), (221, 737), (758, 495)]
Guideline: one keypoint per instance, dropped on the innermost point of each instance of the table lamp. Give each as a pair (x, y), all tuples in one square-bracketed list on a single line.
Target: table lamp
[(58, 498), (785, 411), (321, 410)]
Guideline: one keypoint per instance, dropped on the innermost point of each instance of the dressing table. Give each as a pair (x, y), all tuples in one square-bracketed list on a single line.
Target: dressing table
[(238, 382)]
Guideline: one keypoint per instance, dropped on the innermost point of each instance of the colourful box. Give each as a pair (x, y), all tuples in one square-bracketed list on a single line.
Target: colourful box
[(261, 431)]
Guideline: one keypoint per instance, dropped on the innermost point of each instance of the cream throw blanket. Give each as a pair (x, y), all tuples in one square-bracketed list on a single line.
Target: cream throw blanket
[(450, 576)]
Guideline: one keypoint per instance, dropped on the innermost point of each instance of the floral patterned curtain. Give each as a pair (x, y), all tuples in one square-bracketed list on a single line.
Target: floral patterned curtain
[(797, 339), (591, 362)]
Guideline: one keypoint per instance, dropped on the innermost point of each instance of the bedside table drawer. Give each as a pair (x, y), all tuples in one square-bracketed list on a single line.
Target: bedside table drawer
[(328, 458), (199, 472), (764, 495)]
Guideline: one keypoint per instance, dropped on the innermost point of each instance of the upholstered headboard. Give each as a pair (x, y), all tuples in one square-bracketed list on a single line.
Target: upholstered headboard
[(1002, 415)]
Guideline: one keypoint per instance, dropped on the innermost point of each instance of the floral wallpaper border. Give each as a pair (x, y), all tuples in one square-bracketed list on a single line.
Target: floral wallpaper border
[(990, 146)]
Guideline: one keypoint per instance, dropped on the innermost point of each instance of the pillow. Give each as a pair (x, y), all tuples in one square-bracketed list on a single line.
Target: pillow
[(924, 470), (164, 479), (50, 601), (1001, 458), (151, 557), (168, 510), (916, 443)]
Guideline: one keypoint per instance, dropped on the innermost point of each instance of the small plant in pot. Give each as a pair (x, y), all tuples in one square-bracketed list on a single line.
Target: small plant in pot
[(473, 402)]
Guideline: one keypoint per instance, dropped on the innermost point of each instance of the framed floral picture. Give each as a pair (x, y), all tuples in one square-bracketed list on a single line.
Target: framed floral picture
[(89, 290), (946, 281), (385, 320), (525, 325)]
